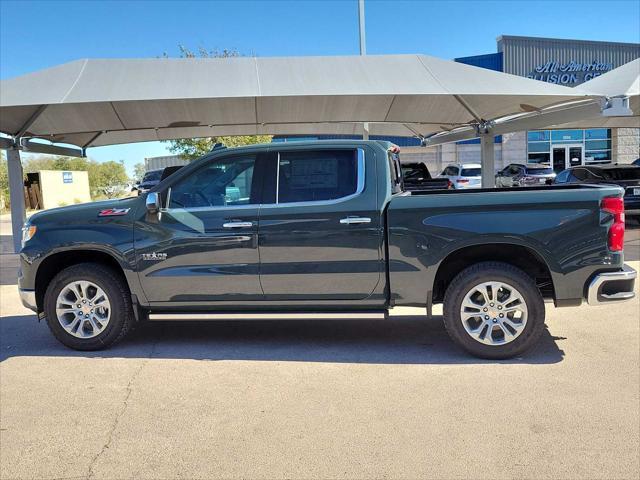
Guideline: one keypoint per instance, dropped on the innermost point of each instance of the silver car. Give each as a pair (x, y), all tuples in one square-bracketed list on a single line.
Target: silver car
[(521, 175), (463, 175)]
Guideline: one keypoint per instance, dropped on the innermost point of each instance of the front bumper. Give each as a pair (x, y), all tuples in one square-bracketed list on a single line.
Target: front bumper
[(612, 286), (28, 299)]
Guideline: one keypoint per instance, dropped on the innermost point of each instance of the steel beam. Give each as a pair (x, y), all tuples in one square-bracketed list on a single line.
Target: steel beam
[(546, 119), (488, 160), (37, 147), (16, 196)]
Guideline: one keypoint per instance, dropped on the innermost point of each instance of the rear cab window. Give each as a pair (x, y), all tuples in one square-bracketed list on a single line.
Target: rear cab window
[(395, 169), (313, 176), (307, 176)]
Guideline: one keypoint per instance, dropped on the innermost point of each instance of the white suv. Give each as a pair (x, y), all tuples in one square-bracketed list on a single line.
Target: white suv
[(463, 175)]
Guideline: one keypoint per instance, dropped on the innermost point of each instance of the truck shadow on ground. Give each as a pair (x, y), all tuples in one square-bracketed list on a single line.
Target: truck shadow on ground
[(404, 340)]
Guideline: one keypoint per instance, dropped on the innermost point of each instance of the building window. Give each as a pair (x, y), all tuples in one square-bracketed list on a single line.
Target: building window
[(596, 144)]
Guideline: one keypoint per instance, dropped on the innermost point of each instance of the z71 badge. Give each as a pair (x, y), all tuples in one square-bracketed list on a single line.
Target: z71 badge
[(153, 256), (113, 212)]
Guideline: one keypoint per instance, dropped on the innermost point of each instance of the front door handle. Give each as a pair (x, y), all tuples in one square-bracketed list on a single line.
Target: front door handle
[(354, 220), (237, 225)]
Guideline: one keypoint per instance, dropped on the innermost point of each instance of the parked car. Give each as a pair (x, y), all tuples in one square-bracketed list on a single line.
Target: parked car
[(521, 175), (154, 177), (149, 180), (416, 176), (637, 162), (626, 176), (463, 175), (323, 229)]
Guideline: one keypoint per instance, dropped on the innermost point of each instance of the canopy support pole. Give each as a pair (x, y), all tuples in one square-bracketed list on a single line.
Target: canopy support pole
[(487, 159), (16, 196), (365, 131)]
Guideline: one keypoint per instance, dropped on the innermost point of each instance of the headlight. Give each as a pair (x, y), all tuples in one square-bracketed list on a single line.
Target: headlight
[(28, 231)]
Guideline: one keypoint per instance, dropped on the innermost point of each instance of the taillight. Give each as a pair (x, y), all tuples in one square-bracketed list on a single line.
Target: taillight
[(462, 180), (615, 206)]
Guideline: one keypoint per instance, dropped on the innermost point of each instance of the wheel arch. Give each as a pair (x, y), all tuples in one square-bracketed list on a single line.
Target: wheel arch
[(56, 262), (520, 256)]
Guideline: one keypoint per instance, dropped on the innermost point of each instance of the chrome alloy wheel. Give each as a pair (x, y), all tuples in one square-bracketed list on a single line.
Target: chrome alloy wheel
[(493, 313), (83, 309)]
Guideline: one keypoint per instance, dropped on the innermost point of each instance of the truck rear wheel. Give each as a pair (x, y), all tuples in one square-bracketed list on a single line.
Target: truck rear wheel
[(88, 307), (494, 310)]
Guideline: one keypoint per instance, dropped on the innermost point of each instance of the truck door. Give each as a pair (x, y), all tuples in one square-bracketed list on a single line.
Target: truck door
[(203, 245), (321, 236)]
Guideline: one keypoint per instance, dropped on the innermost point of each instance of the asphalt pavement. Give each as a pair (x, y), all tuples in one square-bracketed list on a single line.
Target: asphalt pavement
[(320, 399)]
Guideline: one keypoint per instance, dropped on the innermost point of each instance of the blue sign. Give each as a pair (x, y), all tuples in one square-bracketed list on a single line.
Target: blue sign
[(67, 177)]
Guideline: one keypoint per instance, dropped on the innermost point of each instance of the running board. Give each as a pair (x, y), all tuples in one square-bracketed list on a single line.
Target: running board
[(270, 316)]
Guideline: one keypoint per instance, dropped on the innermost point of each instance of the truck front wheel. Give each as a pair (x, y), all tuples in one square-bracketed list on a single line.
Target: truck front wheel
[(494, 310), (88, 307)]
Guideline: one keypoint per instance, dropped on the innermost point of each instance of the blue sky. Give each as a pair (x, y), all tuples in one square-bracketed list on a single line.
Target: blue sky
[(39, 34)]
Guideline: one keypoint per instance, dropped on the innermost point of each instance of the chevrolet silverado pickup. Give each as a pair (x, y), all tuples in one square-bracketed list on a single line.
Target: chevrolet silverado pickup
[(323, 230)]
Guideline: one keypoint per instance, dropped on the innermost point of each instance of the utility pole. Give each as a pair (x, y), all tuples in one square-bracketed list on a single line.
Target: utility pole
[(363, 45), (363, 51)]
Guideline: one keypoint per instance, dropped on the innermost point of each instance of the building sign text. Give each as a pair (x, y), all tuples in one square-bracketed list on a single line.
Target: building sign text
[(569, 73)]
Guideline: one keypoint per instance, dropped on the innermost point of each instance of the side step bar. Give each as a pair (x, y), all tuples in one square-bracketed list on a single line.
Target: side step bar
[(269, 316)]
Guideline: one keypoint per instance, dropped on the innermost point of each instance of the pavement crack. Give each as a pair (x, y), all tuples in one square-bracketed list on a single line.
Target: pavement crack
[(121, 411)]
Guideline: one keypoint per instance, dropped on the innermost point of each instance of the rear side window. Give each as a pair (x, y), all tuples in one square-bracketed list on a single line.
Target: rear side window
[(629, 173), (471, 172), (313, 176)]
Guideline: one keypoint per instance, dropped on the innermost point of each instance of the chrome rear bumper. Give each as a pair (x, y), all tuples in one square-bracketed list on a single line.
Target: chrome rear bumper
[(612, 286)]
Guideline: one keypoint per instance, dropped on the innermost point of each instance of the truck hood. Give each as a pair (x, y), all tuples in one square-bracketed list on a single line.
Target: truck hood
[(87, 211)]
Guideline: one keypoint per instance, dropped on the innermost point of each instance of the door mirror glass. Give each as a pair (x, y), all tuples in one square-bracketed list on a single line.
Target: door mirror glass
[(152, 202)]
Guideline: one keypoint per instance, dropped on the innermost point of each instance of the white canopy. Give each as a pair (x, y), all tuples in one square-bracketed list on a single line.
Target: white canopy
[(622, 82), (103, 102)]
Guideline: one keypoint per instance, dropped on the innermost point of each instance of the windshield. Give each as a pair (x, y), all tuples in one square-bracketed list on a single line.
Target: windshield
[(471, 172), (630, 173), (152, 176)]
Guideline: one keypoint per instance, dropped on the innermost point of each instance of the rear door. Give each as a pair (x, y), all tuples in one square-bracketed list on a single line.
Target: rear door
[(321, 237)]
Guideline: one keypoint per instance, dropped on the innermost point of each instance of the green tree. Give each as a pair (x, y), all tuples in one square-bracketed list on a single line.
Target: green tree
[(138, 172), (192, 148), (107, 179), (4, 182)]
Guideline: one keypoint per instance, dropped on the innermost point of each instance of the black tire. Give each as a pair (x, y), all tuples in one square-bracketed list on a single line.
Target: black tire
[(121, 320), (500, 272)]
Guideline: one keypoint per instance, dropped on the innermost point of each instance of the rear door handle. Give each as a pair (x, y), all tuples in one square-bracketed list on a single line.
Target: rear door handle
[(354, 220), (237, 225)]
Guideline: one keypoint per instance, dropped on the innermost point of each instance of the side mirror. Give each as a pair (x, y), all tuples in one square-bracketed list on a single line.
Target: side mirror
[(153, 202)]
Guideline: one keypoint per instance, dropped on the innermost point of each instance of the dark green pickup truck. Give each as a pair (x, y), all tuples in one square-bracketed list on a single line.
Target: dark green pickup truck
[(323, 230)]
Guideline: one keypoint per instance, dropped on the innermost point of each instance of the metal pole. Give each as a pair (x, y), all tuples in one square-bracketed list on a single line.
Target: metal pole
[(16, 196), (363, 46), (488, 161), (363, 51)]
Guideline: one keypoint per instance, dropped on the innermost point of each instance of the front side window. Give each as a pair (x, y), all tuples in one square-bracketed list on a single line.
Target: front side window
[(313, 176), (221, 183)]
